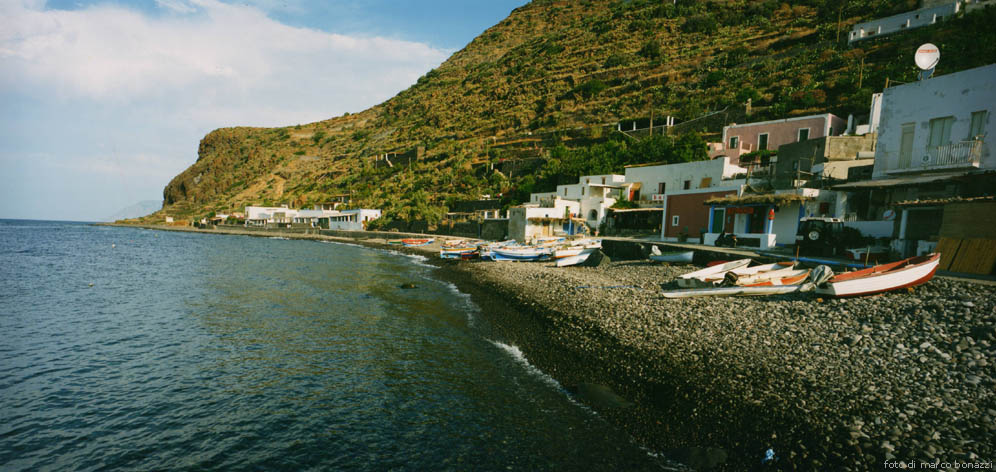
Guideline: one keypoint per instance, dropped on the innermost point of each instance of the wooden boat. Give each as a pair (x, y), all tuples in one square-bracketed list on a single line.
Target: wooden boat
[(395, 241), (486, 250), (681, 257), (456, 252), (775, 277), (758, 273), (736, 290), (451, 243), (576, 258), (882, 278), (698, 277), (808, 283), (577, 247), (414, 242), (524, 253)]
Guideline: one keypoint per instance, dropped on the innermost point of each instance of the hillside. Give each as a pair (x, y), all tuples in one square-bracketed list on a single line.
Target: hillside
[(564, 72)]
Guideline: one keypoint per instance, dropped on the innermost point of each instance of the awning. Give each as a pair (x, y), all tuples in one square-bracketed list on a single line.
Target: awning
[(882, 183), (636, 186), (765, 199), (633, 210), (606, 185), (944, 201)]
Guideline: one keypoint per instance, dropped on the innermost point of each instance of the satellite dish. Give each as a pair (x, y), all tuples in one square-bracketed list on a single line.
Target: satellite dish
[(927, 56)]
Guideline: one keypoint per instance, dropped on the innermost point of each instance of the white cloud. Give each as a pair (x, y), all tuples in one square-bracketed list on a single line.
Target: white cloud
[(225, 53), (106, 80)]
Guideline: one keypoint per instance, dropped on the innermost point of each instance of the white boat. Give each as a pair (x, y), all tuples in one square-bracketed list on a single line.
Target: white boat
[(882, 278), (455, 252), (577, 247), (812, 278), (525, 253), (699, 278), (684, 257), (734, 291), (486, 250), (755, 274), (576, 258)]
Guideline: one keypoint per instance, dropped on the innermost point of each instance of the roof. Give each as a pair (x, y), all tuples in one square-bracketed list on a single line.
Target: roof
[(945, 201), (546, 219), (914, 180), (605, 185), (631, 210), (758, 199)]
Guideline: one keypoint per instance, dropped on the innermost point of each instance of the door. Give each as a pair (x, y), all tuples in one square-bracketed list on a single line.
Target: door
[(906, 146), (718, 220)]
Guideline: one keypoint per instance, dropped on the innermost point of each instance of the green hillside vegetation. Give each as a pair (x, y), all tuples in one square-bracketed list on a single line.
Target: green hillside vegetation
[(533, 101)]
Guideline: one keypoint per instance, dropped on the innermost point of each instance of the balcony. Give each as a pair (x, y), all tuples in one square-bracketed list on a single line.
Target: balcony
[(960, 155)]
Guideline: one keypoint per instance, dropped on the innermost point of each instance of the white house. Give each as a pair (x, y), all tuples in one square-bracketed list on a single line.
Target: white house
[(937, 124), (349, 220), (262, 215), (557, 216), (681, 191), (932, 148), (594, 194), (903, 21)]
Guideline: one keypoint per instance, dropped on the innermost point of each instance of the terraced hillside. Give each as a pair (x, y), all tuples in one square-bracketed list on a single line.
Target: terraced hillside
[(564, 72)]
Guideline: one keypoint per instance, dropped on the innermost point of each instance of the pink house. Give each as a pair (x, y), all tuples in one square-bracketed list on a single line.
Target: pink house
[(749, 137)]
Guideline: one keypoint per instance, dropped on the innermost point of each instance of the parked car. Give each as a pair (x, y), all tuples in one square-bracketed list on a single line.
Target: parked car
[(820, 236)]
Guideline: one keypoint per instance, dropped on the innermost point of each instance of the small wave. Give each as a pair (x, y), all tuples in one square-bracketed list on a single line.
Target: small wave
[(519, 357), (466, 301), (277, 237)]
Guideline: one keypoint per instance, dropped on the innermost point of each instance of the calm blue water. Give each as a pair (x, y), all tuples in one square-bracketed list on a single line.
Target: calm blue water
[(133, 349)]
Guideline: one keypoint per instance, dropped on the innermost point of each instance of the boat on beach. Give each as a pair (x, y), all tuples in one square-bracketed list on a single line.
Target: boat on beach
[(804, 284), (577, 247), (576, 258), (415, 242), (699, 277), (525, 253), (674, 257), (457, 252), (882, 278)]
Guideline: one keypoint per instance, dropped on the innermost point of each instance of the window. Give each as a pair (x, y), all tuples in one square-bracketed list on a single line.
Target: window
[(687, 185), (593, 215), (804, 134), (940, 131), (674, 220), (734, 142), (661, 187), (603, 180), (565, 192), (762, 141), (978, 126), (582, 191)]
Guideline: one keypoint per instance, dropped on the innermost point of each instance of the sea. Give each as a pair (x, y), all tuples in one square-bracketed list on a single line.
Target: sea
[(135, 349)]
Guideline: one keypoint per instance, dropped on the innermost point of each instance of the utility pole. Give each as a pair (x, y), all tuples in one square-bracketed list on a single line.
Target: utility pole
[(839, 13), (861, 72)]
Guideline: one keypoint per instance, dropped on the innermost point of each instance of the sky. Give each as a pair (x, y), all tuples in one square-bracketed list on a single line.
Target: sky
[(103, 102)]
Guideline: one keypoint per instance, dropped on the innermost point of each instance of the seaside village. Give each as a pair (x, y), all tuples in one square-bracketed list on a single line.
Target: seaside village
[(914, 177)]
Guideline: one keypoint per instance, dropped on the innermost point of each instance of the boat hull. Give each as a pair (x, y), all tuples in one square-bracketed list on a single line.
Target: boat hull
[(684, 257), (883, 278), (697, 278)]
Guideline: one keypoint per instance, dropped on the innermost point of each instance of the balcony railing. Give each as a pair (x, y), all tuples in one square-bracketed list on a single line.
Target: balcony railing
[(955, 155)]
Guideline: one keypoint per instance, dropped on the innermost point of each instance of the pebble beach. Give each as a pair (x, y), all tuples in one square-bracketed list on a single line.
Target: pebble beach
[(899, 380), (850, 384)]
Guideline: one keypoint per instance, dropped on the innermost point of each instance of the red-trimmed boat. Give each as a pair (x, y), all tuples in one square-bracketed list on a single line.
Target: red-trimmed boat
[(414, 242), (882, 278)]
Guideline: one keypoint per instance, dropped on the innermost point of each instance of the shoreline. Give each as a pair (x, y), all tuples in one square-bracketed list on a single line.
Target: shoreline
[(850, 384)]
